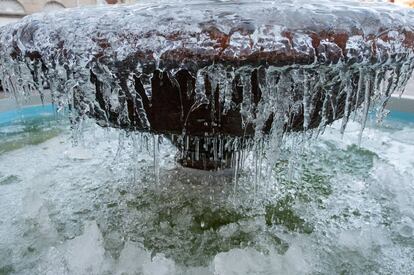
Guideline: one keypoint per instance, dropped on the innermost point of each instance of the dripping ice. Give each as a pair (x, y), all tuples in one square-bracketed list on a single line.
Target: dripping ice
[(366, 86)]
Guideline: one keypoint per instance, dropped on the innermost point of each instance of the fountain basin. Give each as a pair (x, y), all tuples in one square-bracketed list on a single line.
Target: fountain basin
[(213, 75)]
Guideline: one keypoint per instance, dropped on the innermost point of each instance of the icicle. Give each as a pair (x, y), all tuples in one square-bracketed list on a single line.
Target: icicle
[(405, 74), (367, 101), (245, 75), (220, 152), (324, 113), (349, 91), (236, 166), (200, 89), (197, 149), (156, 153), (227, 89), (306, 101), (359, 88), (215, 149), (146, 83), (385, 93), (256, 168)]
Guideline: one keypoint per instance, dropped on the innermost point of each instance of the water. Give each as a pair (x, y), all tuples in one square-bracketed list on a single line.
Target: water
[(95, 208)]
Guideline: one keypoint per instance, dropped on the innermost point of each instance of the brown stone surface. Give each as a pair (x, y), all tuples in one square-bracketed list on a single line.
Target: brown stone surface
[(171, 111)]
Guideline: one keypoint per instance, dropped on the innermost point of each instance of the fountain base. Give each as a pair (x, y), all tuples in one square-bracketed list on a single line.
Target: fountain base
[(206, 153)]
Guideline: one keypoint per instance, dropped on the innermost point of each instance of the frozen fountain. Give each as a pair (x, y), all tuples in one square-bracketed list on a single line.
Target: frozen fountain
[(214, 77), (230, 84)]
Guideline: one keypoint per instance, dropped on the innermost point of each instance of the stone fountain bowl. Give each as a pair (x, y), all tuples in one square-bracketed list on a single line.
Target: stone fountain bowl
[(209, 73)]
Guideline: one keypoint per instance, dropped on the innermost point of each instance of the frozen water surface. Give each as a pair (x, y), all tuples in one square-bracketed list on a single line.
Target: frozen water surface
[(96, 208)]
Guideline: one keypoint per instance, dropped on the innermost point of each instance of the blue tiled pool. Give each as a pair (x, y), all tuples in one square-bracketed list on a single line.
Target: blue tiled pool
[(27, 112)]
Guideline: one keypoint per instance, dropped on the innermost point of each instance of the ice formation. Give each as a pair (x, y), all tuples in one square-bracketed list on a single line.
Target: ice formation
[(215, 76)]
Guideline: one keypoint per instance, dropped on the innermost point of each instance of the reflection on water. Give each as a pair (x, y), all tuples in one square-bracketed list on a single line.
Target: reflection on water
[(95, 209)]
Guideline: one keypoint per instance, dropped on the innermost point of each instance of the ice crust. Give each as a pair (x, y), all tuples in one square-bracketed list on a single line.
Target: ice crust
[(104, 215), (304, 52)]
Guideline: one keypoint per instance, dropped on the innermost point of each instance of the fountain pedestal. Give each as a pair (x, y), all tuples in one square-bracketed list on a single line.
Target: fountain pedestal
[(204, 153)]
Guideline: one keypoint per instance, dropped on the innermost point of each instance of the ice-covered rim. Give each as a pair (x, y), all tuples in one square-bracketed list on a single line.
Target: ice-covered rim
[(169, 34)]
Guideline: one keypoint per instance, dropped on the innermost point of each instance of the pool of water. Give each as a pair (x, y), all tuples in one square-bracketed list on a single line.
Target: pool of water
[(332, 207)]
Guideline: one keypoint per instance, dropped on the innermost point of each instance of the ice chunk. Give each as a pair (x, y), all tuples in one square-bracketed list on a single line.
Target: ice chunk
[(159, 266), (132, 259), (85, 254)]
